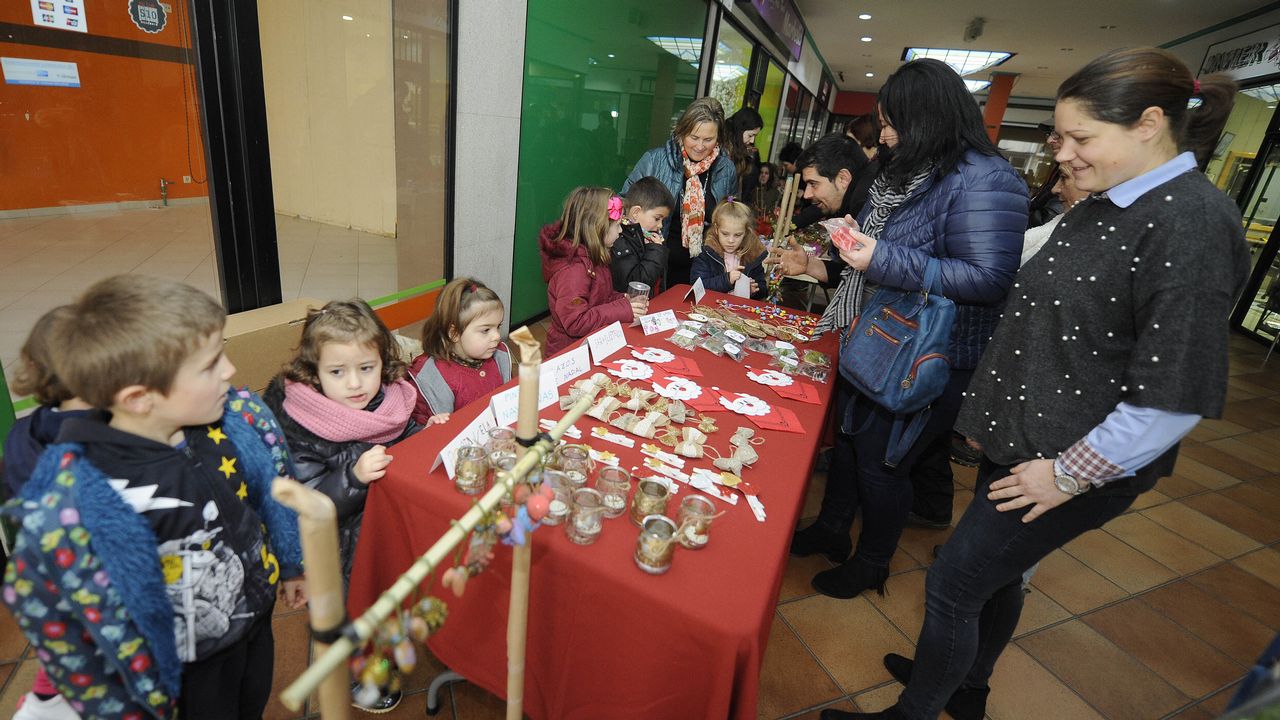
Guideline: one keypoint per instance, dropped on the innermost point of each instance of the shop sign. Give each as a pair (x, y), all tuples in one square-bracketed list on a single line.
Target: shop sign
[(25, 71), (784, 19), (1246, 57), (149, 15)]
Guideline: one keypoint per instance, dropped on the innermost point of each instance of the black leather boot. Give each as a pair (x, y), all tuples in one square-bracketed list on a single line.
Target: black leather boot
[(850, 579), (890, 713), (964, 704), (817, 540)]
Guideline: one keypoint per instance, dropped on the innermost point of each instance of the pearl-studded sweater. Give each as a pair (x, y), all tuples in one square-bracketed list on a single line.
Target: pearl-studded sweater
[(1120, 305)]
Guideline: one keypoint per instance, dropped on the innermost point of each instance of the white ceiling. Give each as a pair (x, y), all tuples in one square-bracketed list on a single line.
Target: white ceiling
[(1050, 39)]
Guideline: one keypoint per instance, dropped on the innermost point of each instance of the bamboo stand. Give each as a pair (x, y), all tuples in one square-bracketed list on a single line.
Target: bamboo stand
[(318, 528), (518, 611), (363, 627)]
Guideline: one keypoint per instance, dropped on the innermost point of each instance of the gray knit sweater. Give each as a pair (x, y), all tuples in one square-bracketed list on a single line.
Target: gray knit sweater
[(1121, 304)]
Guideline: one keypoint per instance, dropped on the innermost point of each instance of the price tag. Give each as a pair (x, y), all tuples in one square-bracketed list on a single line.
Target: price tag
[(606, 342), (659, 321), (687, 333), (788, 360), (735, 336)]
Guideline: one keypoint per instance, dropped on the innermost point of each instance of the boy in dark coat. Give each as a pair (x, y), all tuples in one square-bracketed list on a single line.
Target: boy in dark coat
[(640, 253)]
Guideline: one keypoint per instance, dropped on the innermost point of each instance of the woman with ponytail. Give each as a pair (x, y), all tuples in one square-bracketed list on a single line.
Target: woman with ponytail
[(1112, 346)]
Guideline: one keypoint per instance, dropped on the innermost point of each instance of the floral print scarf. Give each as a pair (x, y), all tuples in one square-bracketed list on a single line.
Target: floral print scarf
[(693, 205)]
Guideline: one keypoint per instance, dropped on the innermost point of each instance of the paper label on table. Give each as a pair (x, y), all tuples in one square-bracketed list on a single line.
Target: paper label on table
[(697, 291), (571, 432), (506, 404), (802, 391), (707, 482), (658, 322), (658, 466), (615, 438), (475, 433), (606, 342), (603, 456), (735, 336), (568, 366), (757, 508), (656, 452)]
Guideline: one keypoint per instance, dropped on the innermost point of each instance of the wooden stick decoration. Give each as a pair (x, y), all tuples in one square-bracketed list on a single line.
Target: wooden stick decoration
[(518, 610), (364, 627), (318, 529), (784, 215)]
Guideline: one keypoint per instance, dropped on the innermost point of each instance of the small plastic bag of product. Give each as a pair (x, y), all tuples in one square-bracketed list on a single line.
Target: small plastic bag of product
[(734, 351), (788, 364), (816, 372), (842, 233), (714, 344), (813, 357), (759, 346), (686, 335)]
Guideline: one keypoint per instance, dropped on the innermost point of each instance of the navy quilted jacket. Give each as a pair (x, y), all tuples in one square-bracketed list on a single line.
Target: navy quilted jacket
[(973, 219)]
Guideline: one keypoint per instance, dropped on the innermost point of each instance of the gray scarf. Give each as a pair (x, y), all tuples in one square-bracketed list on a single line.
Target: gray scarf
[(846, 304)]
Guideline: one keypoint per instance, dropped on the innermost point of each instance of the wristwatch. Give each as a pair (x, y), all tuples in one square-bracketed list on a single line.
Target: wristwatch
[(1068, 483)]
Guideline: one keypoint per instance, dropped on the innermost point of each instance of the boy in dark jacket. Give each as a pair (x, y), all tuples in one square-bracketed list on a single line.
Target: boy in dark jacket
[(146, 566), (640, 254)]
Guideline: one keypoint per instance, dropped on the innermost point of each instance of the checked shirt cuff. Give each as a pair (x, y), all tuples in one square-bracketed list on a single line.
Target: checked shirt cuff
[(1083, 462)]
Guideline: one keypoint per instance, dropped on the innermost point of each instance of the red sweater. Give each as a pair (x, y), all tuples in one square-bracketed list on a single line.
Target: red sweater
[(466, 384)]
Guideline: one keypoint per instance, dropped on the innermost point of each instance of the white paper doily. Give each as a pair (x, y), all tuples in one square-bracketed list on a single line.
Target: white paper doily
[(653, 355), (745, 404), (630, 370), (770, 377), (678, 388)]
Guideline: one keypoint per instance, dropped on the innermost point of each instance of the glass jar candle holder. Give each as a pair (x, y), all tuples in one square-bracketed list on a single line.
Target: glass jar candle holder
[(575, 462), (585, 523), (471, 470), (651, 498), (656, 544), (694, 522), (502, 441), (614, 485), (500, 464), (562, 497)]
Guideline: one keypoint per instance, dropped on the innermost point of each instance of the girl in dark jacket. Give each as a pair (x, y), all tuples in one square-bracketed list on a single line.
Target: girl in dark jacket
[(731, 251), (944, 194)]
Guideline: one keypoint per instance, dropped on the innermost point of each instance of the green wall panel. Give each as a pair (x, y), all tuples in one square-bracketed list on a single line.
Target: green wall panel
[(603, 81)]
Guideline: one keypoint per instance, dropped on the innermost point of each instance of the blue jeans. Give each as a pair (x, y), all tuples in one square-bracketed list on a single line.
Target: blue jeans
[(858, 477), (973, 592)]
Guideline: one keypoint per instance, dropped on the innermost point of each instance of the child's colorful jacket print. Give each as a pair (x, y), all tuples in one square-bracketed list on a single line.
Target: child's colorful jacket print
[(93, 607)]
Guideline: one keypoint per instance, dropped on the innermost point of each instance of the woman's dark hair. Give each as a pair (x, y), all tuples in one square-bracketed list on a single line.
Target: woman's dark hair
[(1041, 209), (773, 175), (1119, 86), (863, 129), (789, 152), (936, 117), (737, 124)]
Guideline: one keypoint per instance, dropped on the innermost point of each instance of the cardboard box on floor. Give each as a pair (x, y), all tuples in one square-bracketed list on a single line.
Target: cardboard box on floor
[(259, 341)]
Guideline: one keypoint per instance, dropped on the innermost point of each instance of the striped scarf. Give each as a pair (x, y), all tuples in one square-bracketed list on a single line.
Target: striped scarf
[(846, 304)]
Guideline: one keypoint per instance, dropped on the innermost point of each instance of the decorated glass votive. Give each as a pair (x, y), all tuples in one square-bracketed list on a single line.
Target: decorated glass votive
[(471, 470), (502, 441), (650, 499), (614, 484), (500, 464), (585, 522), (656, 544), (562, 497), (575, 463), (696, 513)]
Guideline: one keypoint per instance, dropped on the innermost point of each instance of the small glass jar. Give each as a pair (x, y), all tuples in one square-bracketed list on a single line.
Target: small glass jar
[(696, 513), (562, 497), (500, 464), (502, 441), (656, 544), (614, 485), (585, 522), (471, 470), (650, 499), (575, 462)]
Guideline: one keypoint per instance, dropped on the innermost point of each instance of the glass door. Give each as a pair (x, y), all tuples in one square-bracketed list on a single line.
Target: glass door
[(1259, 310)]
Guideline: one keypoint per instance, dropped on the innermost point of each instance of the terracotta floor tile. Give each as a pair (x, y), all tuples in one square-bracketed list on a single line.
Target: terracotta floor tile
[(1264, 563), (1038, 611), (1269, 484), (1022, 688), (12, 641), (1224, 461), (1236, 634), (1236, 392), (1257, 496), (1240, 518), (1265, 458), (1243, 591), (1255, 414), (1074, 585), (798, 574), (790, 679), (848, 637), (1193, 712), (1111, 680), (1268, 379), (1118, 562), (813, 496), (816, 713), (1223, 428), (1217, 703), (1263, 439), (1183, 660), (1176, 486), (5, 671), (903, 602), (19, 684), (1202, 530), (469, 703), (919, 542), (1166, 547), (964, 475), (293, 640), (1150, 498), (1202, 474), (879, 698)]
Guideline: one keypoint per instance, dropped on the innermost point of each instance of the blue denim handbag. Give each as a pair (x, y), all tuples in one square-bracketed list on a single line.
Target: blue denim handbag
[(896, 354)]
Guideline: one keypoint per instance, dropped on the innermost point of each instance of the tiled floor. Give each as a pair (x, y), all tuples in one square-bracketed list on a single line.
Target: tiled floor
[(46, 261), (1156, 615)]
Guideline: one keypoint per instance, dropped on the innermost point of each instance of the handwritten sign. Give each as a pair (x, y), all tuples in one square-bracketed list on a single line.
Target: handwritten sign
[(697, 291), (475, 433), (606, 342), (569, 365), (506, 404), (659, 321)]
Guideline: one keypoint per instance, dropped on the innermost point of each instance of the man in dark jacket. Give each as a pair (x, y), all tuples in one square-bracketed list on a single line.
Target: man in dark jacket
[(640, 253)]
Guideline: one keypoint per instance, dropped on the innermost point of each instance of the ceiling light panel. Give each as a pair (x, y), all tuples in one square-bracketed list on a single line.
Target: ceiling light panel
[(965, 62)]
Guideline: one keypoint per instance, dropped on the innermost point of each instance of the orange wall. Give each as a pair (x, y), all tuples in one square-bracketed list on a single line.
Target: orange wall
[(112, 138), (854, 103)]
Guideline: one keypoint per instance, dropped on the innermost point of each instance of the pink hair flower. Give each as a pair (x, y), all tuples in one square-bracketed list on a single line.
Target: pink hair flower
[(615, 208)]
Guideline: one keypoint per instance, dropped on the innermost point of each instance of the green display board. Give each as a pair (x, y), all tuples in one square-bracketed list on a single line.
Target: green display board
[(603, 82)]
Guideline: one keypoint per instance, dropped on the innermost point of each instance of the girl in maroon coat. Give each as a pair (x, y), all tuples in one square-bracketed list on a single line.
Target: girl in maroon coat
[(575, 266)]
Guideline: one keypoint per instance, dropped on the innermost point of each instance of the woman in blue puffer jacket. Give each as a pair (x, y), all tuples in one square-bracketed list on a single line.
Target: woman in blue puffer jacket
[(695, 166), (944, 192)]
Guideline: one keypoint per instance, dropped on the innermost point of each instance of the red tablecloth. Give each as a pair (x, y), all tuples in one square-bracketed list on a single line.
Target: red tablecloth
[(606, 640)]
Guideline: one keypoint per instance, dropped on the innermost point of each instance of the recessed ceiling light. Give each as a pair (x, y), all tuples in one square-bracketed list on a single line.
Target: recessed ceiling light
[(1067, 49), (612, 55), (964, 62), (347, 17), (871, 74), (864, 16), (1042, 67), (866, 38)]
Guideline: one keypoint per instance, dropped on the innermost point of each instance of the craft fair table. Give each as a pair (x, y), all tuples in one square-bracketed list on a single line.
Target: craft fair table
[(606, 640)]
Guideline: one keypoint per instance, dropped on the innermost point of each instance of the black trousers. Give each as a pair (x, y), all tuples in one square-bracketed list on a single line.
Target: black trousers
[(234, 682), (932, 483)]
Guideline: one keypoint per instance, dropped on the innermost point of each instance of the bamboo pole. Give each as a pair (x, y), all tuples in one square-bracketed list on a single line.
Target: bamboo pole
[(784, 217), (518, 610), (363, 627), (318, 529)]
